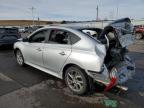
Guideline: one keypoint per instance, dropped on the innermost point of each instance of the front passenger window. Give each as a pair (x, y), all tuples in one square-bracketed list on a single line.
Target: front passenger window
[(38, 37)]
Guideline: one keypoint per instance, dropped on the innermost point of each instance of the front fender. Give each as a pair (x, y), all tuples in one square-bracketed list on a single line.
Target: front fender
[(20, 46)]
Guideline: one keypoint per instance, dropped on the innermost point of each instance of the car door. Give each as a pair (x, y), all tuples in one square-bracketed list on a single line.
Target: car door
[(56, 50), (33, 50)]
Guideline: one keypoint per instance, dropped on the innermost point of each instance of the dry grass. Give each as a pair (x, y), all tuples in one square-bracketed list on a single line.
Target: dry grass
[(24, 22)]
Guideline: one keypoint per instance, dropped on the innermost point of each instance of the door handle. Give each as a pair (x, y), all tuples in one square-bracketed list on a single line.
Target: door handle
[(62, 53), (38, 49)]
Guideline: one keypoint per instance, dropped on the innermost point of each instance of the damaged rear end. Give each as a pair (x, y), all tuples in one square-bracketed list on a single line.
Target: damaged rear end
[(118, 67)]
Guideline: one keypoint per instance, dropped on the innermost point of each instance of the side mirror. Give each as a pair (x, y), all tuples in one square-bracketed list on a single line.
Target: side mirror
[(25, 39)]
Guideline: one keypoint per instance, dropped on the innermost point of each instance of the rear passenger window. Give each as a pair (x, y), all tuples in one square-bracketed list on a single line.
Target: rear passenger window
[(63, 37), (59, 37)]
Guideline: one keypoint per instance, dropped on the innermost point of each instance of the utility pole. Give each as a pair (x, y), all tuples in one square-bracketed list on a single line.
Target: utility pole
[(38, 21), (117, 10), (32, 10), (97, 13)]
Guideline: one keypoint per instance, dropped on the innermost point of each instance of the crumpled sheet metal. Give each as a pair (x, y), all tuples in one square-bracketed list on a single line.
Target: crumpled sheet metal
[(126, 70)]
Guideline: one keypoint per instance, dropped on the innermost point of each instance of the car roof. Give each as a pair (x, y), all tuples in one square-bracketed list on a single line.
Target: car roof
[(70, 28), (57, 27)]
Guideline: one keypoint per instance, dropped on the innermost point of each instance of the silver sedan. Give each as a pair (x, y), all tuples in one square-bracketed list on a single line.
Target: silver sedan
[(63, 52), (67, 53)]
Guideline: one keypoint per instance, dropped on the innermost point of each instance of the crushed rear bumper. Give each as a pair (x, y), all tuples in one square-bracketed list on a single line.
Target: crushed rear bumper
[(117, 76)]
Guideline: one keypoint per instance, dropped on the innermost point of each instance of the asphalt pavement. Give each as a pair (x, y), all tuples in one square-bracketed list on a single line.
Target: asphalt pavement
[(27, 87)]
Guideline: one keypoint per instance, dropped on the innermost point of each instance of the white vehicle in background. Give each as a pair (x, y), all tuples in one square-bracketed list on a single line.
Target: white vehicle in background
[(75, 56)]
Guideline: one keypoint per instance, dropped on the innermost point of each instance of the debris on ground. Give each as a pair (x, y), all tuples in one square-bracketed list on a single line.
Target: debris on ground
[(110, 103)]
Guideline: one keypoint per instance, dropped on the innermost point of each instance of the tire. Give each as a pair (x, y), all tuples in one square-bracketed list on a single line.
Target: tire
[(76, 80), (138, 36), (19, 57)]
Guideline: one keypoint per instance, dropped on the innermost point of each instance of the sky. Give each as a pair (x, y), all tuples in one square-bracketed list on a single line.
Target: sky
[(70, 10)]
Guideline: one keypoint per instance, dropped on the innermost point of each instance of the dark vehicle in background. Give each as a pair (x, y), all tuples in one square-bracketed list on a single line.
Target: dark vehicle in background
[(8, 36), (139, 31)]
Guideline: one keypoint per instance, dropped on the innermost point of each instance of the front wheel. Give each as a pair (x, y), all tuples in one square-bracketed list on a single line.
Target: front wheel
[(76, 80), (19, 57)]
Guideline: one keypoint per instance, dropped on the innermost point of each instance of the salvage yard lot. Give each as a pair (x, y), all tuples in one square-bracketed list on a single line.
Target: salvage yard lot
[(26, 87)]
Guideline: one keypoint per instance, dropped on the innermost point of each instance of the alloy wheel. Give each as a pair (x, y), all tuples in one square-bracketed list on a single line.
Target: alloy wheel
[(19, 58), (75, 80)]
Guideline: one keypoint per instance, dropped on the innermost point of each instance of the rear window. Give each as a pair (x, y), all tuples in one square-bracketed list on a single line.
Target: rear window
[(8, 30), (94, 32)]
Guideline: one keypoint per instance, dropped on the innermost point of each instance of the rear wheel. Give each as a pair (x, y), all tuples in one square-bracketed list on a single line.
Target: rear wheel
[(138, 36), (19, 57), (76, 80)]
